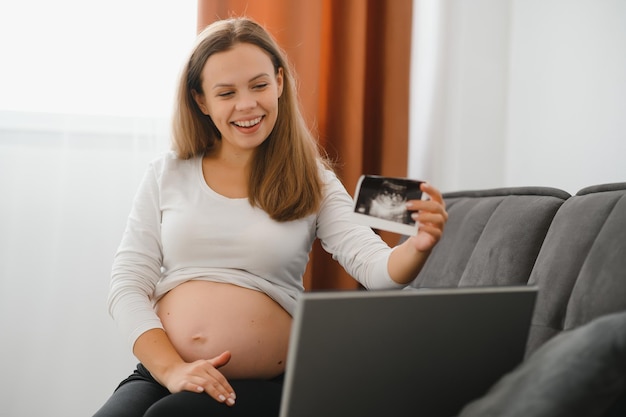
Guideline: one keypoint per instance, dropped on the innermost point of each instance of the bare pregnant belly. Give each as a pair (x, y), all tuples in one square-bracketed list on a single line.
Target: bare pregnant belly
[(203, 319)]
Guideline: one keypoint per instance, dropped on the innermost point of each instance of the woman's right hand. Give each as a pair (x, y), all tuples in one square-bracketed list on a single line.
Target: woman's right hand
[(201, 376)]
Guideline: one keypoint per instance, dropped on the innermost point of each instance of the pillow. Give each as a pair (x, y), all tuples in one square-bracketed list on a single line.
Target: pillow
[(580, 372)]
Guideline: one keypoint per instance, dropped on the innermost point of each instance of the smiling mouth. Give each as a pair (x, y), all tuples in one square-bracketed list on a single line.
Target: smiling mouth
[(248, 123)]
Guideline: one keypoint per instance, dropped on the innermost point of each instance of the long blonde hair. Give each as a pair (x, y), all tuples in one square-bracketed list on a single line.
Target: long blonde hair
[(285, 176)]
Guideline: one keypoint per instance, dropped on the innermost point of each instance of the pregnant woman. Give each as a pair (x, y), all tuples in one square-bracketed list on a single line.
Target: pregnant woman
[(210, 266)]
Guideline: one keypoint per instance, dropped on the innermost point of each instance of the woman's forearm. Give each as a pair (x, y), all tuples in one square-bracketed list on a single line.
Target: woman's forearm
[(155, 351), (405, 262)]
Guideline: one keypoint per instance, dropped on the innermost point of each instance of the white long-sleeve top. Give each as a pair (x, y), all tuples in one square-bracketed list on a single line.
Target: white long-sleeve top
[(179, 229)]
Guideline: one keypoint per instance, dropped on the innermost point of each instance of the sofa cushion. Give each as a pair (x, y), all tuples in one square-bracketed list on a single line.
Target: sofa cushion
[(581, 268), (492, 237), (580, 372)]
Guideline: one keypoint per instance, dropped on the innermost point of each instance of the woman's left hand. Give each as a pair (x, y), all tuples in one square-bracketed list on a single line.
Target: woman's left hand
[(431, 217)]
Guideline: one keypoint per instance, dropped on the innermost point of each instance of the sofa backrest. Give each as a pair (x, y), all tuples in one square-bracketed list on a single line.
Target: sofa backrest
[(581, 268), (492, 237)]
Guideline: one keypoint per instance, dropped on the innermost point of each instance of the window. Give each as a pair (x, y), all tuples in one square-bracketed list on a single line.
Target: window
[(91, 69)]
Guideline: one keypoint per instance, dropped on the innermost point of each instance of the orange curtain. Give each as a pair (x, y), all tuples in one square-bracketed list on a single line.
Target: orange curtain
[(352, 62)]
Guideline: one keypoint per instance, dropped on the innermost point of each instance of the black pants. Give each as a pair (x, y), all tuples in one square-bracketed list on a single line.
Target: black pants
[(140, 395)]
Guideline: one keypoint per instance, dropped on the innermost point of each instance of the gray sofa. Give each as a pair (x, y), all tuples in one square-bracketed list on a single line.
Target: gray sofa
[(573, 247)]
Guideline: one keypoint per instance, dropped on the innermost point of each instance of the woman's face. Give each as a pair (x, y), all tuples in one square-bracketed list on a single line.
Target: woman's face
[(240, 93)]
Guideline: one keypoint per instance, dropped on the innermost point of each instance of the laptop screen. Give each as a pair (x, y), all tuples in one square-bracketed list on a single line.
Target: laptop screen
[(423, 352)]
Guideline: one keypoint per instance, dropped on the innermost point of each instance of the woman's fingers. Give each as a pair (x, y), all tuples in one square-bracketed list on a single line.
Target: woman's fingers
[(220, 360), (218, 390), (431, 217), (431, 210), (203, 376), (217, 385), (432, 192), (426, 217)]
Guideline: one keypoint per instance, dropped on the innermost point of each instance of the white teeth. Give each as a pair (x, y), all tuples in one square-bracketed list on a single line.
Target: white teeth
[(248, 123)]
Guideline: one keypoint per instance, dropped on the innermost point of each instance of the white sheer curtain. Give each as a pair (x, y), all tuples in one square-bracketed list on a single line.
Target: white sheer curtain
[(425, 87), (85, 95), (65, 200), (458, 92)]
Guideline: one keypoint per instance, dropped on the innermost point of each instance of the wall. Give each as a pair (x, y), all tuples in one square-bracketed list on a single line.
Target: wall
[(519, 92), (567, 93)]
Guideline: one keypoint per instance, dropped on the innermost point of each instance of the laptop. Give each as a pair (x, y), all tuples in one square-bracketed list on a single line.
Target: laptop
[(413, 352)]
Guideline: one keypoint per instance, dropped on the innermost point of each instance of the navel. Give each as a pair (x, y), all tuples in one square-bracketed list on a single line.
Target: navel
[(198, 338)]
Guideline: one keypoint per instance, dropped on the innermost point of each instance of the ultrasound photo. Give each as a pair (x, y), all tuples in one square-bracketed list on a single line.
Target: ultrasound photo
[(380, 203)]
